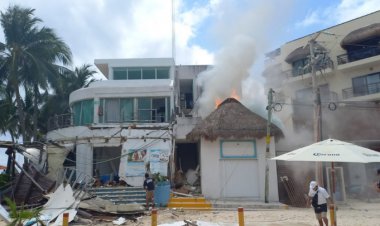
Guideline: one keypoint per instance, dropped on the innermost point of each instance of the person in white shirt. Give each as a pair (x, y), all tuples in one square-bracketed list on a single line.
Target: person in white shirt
[(319, 198)]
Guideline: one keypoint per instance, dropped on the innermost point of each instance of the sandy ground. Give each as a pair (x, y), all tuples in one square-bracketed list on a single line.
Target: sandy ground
[(352, 214)]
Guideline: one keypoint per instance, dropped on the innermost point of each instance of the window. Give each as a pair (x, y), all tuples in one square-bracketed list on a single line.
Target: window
[(367, 84), (120, 74), (116, 110), (144, 109), (307, 96), (138, 109), (301, 67), (149, 73), (83, 112), (112, 110), (237, 149), (137, 73), (134, 73), (158, 113), (363, 49), (163, 73), (154, 109), (126, 108)]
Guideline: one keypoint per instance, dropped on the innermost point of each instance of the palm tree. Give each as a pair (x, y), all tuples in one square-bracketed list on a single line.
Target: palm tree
[(58, 103), (8, 119), (29, 58)]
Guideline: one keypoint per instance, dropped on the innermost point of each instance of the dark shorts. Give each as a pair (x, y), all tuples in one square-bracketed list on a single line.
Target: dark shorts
[(321, 208)]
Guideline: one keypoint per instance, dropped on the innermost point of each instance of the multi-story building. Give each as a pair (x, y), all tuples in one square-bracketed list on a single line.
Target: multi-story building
[(129, 114), (347, 63)]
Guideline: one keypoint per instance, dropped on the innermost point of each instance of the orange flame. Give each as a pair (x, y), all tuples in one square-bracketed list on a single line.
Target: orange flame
[(234, 94), (218, 101)]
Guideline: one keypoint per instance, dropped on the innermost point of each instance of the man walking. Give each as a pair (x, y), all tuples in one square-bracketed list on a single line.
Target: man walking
[(149, 189), (319, 198)]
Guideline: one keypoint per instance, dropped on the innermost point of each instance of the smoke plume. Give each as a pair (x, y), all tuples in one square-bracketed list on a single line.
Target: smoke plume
[(244, 31), (231, 67)]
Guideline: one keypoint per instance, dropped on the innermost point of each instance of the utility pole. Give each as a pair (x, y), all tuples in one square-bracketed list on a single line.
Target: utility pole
[(267, 140), (317, 122)]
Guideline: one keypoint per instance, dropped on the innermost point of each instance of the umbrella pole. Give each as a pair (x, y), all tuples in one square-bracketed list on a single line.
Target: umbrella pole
[(333, 209)]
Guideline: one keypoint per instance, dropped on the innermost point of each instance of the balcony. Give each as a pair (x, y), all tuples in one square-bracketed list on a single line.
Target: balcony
[(361, 90), (357, 55), (59, 121), (143, 116)]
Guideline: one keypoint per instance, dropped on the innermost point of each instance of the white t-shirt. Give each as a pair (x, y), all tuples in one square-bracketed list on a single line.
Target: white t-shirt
[(322, 195)]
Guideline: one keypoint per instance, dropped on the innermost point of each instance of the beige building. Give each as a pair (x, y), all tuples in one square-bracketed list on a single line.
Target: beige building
[(347, 63)]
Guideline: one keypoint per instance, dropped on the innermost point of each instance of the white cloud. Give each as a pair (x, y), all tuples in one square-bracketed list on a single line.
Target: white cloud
[(310, 19), (123, 29), (342, 12), (350, 9)]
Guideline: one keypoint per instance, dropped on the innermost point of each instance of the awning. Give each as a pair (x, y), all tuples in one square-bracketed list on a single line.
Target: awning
[(302, 52), (360, 35)]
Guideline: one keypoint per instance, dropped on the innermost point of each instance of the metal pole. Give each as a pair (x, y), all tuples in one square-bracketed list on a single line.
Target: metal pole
[(241, 216), (65, 221), (317, 108), (154, 217), (267, 139)]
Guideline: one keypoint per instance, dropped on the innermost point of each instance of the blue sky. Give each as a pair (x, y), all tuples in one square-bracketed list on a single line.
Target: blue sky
[(96, 29), (126, 29)]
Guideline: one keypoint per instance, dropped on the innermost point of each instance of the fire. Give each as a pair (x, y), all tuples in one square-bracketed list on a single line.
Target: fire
[(218, 101), (233, 94)]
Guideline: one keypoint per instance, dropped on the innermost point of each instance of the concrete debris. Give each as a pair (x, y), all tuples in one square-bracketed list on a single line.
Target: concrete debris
[(192, 176), (4, 214), (104, 206), (61, 201), (193, 223), (119, 221)]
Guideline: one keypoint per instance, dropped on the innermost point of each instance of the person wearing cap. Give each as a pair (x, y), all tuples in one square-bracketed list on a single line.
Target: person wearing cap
[(319, 198)]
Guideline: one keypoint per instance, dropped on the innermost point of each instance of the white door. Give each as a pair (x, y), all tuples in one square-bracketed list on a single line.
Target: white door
[(239, 178)]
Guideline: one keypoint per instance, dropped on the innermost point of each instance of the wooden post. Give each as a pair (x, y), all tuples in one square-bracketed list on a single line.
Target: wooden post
[(267, 141), (65, 221), (332, 215), (154, 217), (241, 216)]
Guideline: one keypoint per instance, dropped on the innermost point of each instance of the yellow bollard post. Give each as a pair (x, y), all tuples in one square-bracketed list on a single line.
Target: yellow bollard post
[(332, 215), (65, 221), (154, 217), (241, 216)]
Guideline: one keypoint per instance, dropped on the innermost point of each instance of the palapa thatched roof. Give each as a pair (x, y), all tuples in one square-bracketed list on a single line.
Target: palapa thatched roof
[(302, 52), (231, 120), (361, 34)]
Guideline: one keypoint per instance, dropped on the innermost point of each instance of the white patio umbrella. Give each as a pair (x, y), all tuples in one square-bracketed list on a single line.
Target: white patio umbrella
[(331, 150)]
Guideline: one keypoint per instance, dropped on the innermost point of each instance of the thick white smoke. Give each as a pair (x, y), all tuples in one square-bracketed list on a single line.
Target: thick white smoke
[(232, 65), (245, 30)]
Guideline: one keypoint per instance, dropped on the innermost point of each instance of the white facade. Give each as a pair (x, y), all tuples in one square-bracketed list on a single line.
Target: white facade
[(113, 113), (348, 58), (103, 136), (339, 82), (237, 177)]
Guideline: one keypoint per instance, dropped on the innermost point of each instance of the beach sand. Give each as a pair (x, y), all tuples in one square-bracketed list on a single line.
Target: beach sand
[(353, 213)]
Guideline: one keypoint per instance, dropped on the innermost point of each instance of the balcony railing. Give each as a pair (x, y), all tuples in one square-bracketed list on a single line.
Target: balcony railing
[(59, 121), (361, 90), (144, 116), (357, 55)]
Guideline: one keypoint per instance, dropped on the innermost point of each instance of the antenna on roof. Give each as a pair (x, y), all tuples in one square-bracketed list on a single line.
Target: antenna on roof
[(173, 31)]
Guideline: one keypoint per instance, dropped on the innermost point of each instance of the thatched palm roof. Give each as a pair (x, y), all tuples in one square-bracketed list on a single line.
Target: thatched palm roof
[(302, 52), (361, 34), (231, 120)]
